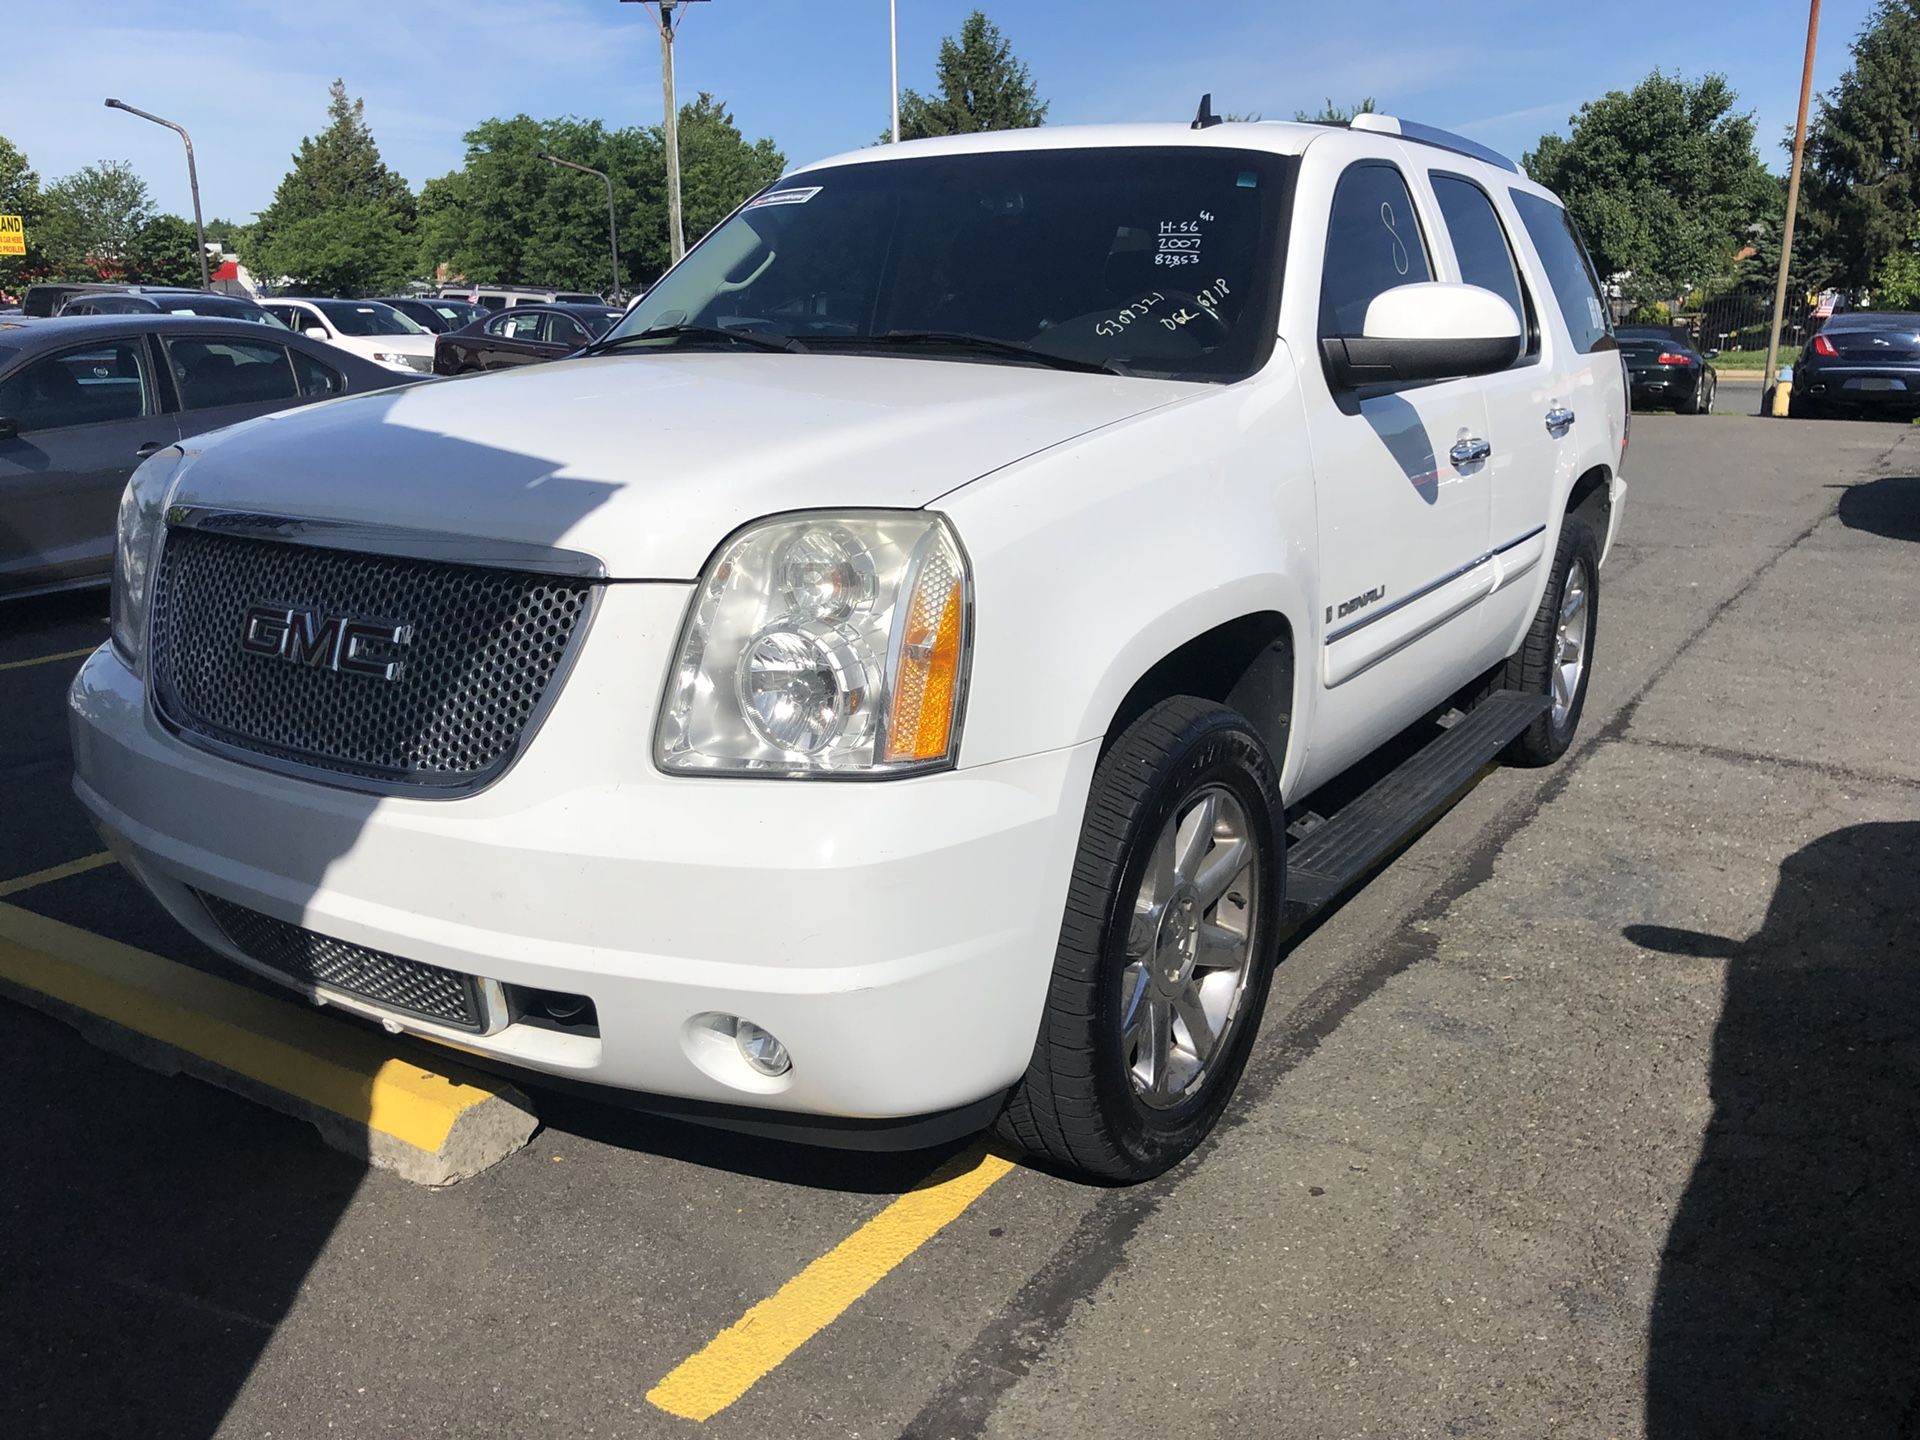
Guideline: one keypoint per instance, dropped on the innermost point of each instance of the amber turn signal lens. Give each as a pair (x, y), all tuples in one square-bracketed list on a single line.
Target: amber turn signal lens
[(920, 723)]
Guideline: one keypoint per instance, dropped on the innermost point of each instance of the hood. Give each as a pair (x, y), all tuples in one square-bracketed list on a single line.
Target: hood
[(401, 344), (647, 462)]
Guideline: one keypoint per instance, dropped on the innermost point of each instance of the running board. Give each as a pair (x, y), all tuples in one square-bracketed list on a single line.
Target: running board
[(1329, 855)]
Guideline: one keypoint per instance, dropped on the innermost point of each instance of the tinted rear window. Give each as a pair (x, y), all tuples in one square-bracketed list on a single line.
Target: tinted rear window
[(1576, 289)]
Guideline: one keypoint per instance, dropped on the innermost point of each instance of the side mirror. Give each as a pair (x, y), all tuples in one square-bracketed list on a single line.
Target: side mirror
[(9, 428), (1433, 330), (316, 332)]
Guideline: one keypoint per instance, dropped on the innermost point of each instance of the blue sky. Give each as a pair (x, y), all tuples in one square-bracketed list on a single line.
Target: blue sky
[(249, 80)]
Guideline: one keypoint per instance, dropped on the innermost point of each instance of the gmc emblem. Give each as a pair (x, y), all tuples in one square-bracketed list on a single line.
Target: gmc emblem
[(325, 642)]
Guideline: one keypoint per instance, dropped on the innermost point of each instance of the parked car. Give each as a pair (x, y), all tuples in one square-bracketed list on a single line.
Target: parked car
[(370, 329), (83, 399), (524, 335), (505, 297), (107, 299), (1033, 528), (435, 313), (1863, 362), (1663, 370)]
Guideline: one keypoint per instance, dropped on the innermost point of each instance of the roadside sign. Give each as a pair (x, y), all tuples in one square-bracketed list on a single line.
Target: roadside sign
[(13, 236)]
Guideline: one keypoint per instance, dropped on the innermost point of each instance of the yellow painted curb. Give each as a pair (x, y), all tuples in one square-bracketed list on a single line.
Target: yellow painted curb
[(427, 1122), (735, 1359)]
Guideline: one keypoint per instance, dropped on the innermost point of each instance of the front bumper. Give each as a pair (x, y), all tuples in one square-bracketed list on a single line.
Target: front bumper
[(897, 936)]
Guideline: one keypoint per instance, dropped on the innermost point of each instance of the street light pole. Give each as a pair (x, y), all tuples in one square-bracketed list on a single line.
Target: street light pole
[(193, 180), (613, 225), (1770, 379), (676, 230), (893, 49)]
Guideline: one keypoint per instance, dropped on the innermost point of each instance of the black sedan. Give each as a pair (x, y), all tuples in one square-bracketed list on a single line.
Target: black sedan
[(524, 335), (438, 313), (1864, 362), (83, 399), (1663, 372)]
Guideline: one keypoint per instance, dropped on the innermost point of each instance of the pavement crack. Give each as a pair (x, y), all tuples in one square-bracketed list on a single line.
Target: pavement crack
[(1734, 756)]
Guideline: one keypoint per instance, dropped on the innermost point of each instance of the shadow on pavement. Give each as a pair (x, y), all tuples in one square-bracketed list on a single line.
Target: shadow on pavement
[(1889, 507), (153, 1233), (1788, 1300)]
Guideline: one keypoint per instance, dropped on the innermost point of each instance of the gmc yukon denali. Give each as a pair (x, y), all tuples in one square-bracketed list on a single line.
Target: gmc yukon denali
[(887, 685)]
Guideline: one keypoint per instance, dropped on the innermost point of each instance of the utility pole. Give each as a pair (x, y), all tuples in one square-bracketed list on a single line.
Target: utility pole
[(676, 229), (193, 181), (613, 225), (1771, 379), (893, 47)]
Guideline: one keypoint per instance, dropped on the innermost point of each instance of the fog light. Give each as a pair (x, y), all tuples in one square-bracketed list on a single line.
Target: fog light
[(760, 1049)]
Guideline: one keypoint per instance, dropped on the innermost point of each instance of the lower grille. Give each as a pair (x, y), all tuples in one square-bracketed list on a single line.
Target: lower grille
[(411, 987)]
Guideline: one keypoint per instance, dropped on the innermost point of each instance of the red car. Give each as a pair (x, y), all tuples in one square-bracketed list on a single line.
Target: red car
[(524, 335)]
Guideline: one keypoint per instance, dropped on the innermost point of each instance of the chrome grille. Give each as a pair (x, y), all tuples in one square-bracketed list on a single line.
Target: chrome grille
[(486, 648), (411, 987)]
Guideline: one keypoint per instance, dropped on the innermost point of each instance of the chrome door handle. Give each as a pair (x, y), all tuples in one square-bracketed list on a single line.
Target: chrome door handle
[(1469, 451), (1559, 419), (147, 449)]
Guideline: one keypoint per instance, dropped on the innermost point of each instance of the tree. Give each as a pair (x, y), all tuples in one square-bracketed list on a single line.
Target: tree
[(20, 195), (1663, 180), (1861, 195), (165, 252), (227, 234), (91, 219), (340, 220), (1332, 114), (508, 216), (981, 87)]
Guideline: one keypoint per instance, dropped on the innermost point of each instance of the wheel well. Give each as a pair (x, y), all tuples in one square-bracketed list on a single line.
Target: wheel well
[(1246, 663), (1592, 499)]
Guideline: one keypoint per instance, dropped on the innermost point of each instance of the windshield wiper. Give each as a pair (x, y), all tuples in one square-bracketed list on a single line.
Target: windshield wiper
[(699, 332), (981, 344)]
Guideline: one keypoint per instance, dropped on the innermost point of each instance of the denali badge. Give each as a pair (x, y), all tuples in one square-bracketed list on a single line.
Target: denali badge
[(326, 642)]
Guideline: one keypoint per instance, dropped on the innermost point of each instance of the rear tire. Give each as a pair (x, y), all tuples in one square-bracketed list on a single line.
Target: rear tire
[(1556, 658), (1181, 867)]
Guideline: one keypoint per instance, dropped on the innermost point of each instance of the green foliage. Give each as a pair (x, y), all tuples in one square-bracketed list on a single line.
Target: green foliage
[(981, 87), (165, 252), (341, 221), (1860, 193), (1332, 114), (507, 216), (20, 195), (1663, 180), (227, 234), (1896, 279), (1658, 313), (90, 220)]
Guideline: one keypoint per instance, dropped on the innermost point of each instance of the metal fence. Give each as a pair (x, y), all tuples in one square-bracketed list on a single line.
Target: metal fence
[(1739, 320)]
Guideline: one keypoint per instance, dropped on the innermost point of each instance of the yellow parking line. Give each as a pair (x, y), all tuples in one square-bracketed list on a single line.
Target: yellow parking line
[(54, 872), (305, 1063), (736, 1358), (48, 659)]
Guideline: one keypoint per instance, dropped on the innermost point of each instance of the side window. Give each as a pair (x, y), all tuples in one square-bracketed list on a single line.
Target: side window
[(517, 325), (502, 325), (1576, 289), (220, 371), (565, 330), (316, 379), (89, 385), (1480, 245), (1373, 245)]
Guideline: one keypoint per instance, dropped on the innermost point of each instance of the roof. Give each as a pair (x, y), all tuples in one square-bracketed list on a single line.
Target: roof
[(17, 331)]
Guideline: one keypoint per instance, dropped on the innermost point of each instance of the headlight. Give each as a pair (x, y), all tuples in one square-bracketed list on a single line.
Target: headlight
[(823, 645), (402, 362), (136, 538)]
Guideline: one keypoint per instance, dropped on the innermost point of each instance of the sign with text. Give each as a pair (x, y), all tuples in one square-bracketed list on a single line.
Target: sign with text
[(13, 236)]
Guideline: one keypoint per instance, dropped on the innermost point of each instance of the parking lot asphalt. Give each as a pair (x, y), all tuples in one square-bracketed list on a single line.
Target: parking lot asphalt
[(1594, 1114)]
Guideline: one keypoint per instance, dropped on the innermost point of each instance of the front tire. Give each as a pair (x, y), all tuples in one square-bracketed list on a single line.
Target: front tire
[(1556, 658), (1165, 952)]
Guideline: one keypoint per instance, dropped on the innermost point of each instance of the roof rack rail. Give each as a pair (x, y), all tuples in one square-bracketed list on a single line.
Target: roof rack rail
[(1378, 124)]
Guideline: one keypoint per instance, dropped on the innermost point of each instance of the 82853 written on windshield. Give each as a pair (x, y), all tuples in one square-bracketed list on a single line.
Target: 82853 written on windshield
[(1157, 261)]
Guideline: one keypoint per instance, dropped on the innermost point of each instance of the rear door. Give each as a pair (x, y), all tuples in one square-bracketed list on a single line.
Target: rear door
[(1400, 476), (221, 380), (87, 414), (1526, 456)]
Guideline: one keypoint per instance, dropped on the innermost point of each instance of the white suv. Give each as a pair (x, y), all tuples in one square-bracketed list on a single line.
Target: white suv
[(883, 687)]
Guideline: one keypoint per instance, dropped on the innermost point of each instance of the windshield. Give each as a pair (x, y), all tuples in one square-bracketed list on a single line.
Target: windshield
[(1161, 261), (455, 314), (366, 317)]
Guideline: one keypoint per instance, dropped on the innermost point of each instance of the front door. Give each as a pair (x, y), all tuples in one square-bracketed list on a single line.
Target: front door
[(84, 417), (1401, 482)]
